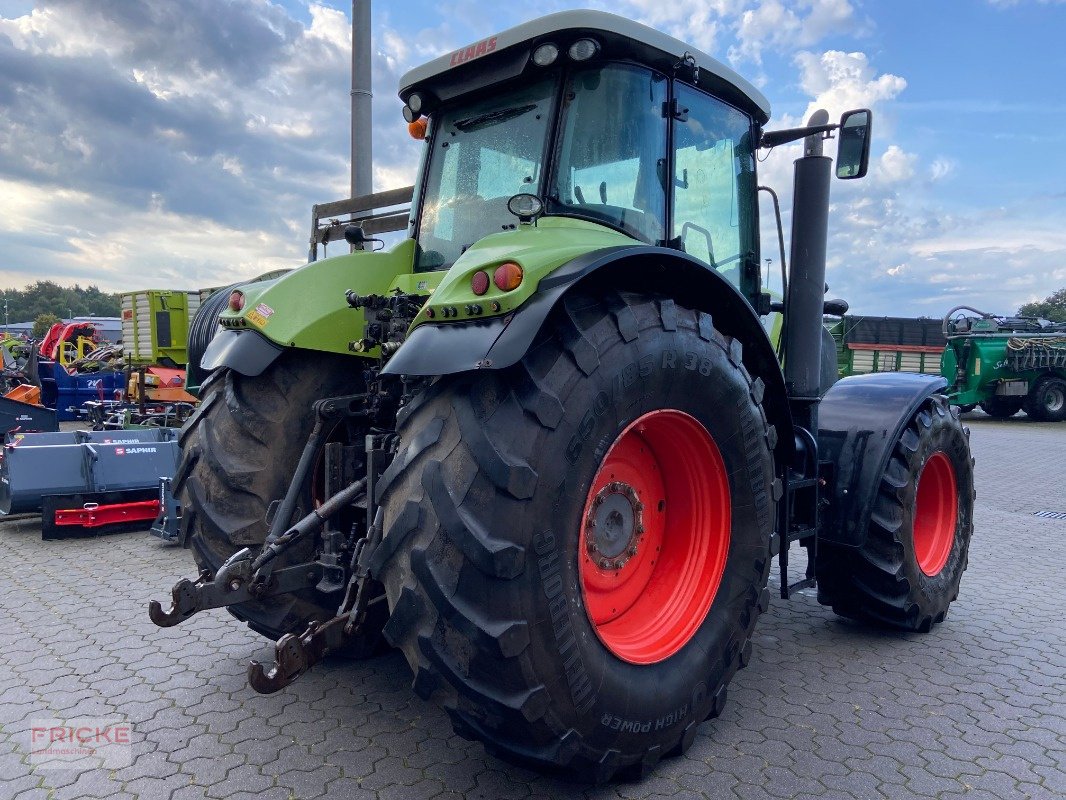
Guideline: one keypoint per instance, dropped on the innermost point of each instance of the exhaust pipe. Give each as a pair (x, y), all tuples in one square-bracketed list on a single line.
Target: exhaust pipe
[(806, 286)]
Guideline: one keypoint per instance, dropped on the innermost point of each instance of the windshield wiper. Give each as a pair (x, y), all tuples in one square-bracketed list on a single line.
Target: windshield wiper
[(493, 117)]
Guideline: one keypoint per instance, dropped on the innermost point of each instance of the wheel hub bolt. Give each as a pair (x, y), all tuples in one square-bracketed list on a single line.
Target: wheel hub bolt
[(614, 526)]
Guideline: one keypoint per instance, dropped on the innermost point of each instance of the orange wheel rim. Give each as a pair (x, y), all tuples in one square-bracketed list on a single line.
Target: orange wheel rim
[(654, 536), (935, 514)]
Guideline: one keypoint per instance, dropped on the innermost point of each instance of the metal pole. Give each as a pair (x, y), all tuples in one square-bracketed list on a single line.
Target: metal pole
[(362, 96)]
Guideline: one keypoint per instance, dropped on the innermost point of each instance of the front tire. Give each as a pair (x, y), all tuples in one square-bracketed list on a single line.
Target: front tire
[(500, 604), (907, 571), (1046, 401)]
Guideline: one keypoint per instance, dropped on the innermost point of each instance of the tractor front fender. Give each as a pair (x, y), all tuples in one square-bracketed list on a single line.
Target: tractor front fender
[(860, 419), (497, 343)]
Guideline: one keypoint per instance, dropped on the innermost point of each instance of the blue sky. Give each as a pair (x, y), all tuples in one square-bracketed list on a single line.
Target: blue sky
[(183, 143)]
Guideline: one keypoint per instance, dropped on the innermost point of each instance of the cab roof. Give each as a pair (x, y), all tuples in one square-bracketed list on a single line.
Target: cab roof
[(507, 55)]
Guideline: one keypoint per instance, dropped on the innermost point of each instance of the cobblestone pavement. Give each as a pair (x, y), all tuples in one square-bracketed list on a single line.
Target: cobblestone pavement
[(827, 708)]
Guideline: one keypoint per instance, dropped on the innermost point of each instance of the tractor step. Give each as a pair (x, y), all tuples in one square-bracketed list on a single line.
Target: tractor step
[(800, 521), (792, 588), (799, 534)]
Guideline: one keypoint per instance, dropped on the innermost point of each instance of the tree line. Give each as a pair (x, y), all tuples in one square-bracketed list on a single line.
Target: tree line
[(1052, 307), (48, 297)]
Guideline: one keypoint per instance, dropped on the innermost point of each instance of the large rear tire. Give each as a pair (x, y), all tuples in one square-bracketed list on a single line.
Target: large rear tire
[(1046, 401), (908, 570), (576, 548), (239, 452), (1002, 407)]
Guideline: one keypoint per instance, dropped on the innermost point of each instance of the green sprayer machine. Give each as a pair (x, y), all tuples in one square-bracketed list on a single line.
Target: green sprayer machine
[(550, 444), (1005, 364)]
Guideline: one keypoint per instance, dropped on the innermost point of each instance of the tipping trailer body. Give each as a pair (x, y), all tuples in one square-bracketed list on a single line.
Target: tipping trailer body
[(887, 344), (155, 325)]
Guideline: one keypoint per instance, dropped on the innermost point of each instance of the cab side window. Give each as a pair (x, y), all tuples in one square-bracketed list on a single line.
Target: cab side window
[(714, 182)]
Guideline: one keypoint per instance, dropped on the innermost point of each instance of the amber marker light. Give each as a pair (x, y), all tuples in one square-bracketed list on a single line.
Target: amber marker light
[(507, 276), (418, 128)]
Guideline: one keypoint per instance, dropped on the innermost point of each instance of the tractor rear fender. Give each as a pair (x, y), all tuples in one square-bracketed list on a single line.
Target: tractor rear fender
[(859, 421), (247, 352), (496, 343)]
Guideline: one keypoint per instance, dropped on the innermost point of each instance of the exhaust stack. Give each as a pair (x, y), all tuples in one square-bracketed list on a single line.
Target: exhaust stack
[(806, 286)]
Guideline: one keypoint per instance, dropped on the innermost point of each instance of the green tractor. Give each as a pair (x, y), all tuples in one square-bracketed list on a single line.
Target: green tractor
[(546, 445)]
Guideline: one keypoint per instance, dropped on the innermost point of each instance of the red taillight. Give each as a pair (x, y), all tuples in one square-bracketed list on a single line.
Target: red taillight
[(507, 276), (430, 313), (479, 283), (236, 300)]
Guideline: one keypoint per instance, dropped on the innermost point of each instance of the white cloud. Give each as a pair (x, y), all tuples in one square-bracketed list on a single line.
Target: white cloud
[(699, 22), (774, 25), (218, 143), (941, 168), (895, 165), (107, 246), (839, 81)]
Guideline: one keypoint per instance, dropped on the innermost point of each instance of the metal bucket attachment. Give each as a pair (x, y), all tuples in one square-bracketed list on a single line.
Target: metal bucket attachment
[(16, 415), (101, 461)]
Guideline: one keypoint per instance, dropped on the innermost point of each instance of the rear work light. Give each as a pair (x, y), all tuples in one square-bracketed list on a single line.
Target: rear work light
[(236, 300), (545, 55), (583, 49), (507, 276)]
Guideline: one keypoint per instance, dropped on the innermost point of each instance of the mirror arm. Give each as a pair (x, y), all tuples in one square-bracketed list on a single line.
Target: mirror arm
[(774, 138)]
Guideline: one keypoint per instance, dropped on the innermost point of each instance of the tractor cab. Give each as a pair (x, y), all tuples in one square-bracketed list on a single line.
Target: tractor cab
[(604, 121)]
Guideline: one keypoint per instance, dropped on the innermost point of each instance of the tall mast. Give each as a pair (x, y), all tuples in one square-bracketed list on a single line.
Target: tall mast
[(362, 96)]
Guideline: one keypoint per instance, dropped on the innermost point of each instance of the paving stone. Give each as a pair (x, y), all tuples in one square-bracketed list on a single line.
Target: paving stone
[(827, 708)]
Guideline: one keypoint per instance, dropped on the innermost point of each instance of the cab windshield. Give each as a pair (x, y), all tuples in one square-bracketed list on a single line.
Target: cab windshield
[(483, 154)]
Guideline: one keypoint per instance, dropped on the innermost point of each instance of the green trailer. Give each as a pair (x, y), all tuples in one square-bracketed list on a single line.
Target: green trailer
[(155, 324), (1005, 364), (886, 344)]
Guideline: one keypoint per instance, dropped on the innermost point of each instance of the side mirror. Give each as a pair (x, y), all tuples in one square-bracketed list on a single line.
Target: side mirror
[(357, 238), (835, 308), (853, 149)]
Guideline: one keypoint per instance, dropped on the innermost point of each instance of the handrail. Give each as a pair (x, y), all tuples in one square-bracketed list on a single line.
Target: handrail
[(947, 317), (375, 213)]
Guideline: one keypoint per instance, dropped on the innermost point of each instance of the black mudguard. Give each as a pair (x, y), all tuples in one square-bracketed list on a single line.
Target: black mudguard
[(451, 347), (246, 352), (859, 421)]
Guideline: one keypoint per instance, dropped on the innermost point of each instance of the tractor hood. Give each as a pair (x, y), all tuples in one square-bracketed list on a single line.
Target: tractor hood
[(307, 308)]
